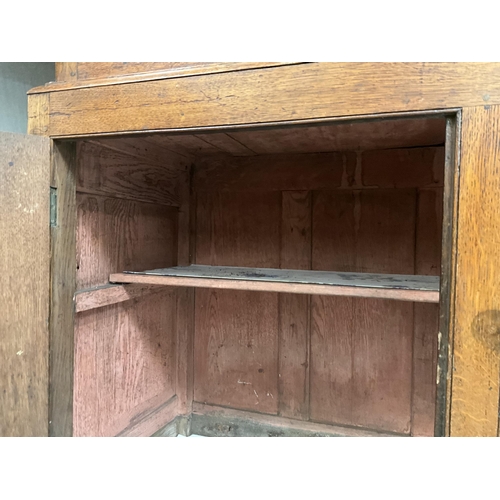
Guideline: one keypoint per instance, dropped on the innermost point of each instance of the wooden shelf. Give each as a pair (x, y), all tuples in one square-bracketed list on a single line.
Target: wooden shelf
[(385, 286)]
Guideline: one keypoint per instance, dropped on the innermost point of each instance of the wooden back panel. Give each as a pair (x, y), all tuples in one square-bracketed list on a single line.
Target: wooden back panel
[(363, 362)]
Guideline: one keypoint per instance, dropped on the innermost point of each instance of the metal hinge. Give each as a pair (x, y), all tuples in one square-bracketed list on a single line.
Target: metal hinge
[(53, 207)]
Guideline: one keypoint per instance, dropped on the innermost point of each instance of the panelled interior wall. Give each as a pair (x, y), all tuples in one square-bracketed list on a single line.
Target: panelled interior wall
[(125, 369), (334, 360)]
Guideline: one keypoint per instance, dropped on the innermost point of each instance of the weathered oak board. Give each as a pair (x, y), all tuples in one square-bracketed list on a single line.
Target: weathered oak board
[(476, 357), (89, 70), (24, 284), (294, 92), (89, 74)]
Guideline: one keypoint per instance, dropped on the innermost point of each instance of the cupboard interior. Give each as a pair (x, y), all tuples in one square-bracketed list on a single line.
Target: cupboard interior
[(362, 197)]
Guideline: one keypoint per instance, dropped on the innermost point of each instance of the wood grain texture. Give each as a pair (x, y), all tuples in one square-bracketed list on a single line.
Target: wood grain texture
[(151, 417), (361, 348), (24, 284), (106, 295), (63, 286), (87, 70), (382, 361), (236, 333), (409, 295), (172, 428), (295, 277), (426, 316), (38, 114), (236, 350), (125, 219), (403, 168), (215, 421), (397, 168), (184, 219), (98, 74), (66, 71), (146, 149), (124, 365), (107, 172), (116, 234), (294, 309), (129, 349), (354, 136), (238, 229), (185, 299), (185, 349), (226, 143), (476, 363), (186, 144), (376, 224), (273, 173), (448, 275), (295, 92)]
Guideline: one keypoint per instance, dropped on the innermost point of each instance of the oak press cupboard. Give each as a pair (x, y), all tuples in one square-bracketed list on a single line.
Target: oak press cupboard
[(253, 249)]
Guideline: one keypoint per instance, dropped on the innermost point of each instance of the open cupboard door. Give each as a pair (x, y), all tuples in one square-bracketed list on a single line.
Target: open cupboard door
[(24, 284)]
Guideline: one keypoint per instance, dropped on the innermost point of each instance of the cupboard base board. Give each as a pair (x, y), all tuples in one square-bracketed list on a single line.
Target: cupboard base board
[(217, 421)]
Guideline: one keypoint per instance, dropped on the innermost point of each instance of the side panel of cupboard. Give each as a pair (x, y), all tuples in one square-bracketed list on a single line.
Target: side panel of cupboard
[(476, 356), (125, 353)]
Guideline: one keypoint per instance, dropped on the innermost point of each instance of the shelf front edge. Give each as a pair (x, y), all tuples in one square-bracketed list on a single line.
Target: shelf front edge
[(280, 287)]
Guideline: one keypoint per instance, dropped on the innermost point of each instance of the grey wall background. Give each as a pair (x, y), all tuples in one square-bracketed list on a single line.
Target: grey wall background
[(15, 80)]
